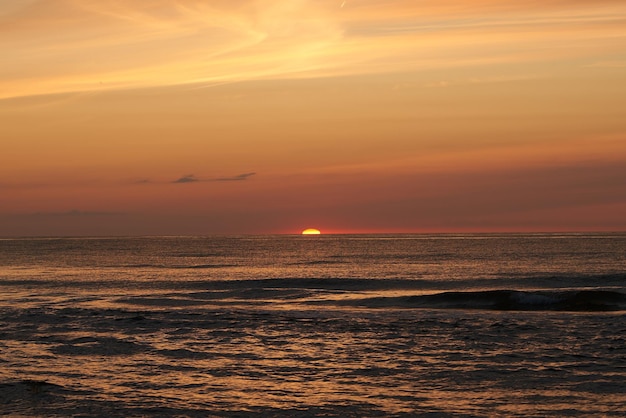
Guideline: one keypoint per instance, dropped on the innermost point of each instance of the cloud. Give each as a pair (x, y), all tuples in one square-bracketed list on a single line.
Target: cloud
[(142, 181), (608, 64), (78, 182), (159, 43), (189, 178), (70, 46), (239, 177)]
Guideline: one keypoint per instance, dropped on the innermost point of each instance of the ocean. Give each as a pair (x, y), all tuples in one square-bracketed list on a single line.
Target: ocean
[(463, 325)]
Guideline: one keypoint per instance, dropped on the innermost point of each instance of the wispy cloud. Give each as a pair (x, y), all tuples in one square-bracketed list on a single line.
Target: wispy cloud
[(93, 45), (239, 177), (608, 64), (69, 46), (189, 178), (76, 181)]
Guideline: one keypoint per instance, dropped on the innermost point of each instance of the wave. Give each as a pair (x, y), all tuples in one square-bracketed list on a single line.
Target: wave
[(328, 283), (505, 300), (204, 281), (178, 266)]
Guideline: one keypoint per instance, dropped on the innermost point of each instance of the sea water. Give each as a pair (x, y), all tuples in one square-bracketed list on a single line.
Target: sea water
[(330, 325)]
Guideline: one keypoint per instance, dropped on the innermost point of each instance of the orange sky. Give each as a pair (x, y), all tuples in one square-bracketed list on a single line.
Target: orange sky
[(257, 116)]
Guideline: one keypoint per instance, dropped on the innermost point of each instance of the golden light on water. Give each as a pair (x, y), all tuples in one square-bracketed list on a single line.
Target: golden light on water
[(311, 231)]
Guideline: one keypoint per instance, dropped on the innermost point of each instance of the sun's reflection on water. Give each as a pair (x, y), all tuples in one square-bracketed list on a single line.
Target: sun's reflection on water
[(396, 362), (207, 336)]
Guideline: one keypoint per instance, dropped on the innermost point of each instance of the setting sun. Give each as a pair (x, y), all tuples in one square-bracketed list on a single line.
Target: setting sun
[(311, 231)]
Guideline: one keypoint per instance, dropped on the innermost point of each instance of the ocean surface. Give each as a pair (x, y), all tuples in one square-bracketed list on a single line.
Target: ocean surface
[(334, 325)]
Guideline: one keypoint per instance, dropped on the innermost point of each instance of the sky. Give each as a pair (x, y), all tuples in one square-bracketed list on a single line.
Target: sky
[(177, 117)]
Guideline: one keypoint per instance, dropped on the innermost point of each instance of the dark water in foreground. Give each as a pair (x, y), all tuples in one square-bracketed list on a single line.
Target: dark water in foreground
[(406, 325)]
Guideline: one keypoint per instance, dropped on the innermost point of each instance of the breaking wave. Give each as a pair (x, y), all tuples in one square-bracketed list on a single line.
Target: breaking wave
[(506, 300)]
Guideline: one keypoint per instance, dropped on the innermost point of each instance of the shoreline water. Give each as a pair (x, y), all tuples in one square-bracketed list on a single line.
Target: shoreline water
[(280, 326)]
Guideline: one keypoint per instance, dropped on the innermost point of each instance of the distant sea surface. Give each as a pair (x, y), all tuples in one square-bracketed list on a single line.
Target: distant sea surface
[(465, 325)]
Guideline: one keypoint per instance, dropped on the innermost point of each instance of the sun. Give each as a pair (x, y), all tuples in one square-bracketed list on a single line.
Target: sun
[(311, 231)]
